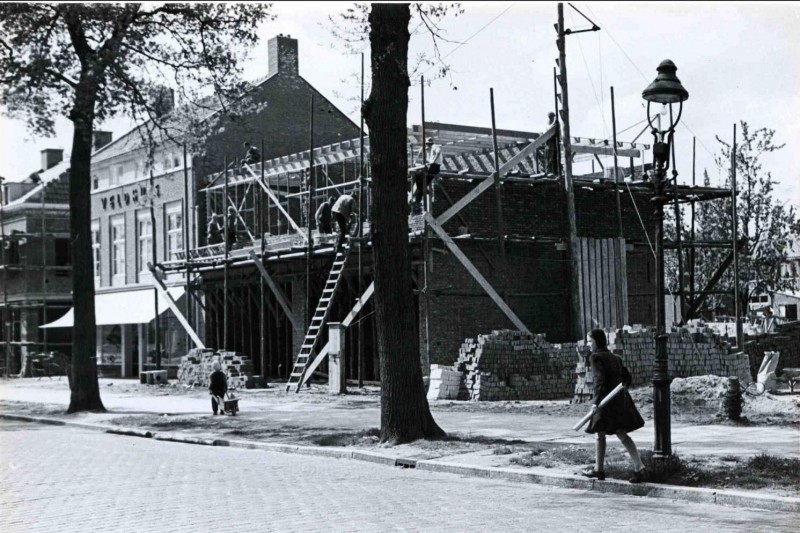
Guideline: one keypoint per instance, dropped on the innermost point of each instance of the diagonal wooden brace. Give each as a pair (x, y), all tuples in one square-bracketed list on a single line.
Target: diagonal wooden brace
[(489, 180), (277, 292), (323, 353), (280, 208), (475, 273), (160, 287)]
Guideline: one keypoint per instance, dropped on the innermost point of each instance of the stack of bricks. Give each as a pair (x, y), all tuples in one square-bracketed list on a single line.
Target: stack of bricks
[(691, 350), (196, 368), (445, 383), (511, 365)]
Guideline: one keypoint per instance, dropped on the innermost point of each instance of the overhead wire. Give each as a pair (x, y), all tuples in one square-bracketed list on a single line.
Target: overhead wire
[(468, 39), (591, 81)]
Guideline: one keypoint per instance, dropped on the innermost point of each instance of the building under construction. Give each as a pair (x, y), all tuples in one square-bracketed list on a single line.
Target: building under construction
[(36, 264), (489, 250)]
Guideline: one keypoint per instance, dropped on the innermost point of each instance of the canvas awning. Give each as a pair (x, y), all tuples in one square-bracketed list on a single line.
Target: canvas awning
[(129, 307)]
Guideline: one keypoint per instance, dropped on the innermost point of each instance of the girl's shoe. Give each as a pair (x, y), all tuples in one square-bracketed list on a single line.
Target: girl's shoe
[(638, 476), (592, 473)]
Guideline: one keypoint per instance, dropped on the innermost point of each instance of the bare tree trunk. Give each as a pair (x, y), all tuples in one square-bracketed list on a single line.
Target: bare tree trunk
[(405, 414), (83, 383)]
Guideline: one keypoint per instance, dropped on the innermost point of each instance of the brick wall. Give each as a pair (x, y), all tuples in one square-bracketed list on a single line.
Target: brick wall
[(534, 281)]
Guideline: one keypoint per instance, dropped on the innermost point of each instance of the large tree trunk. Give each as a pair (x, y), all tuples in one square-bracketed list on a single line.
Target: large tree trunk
[(405, 414), (83, 383)]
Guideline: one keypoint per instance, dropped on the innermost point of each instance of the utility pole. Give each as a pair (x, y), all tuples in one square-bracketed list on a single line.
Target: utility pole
[(154, 249), (6, 339), (574, 251)]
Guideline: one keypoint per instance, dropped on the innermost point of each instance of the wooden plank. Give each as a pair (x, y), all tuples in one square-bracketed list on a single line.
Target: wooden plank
[(605, 150), (360, 303), (582, 274), (466, 199), (613, 282), (276, 290), (624, 279), (160, 287), (602, 284), (475, 273)]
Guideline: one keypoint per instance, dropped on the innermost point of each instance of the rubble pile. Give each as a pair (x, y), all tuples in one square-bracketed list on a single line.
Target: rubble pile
[(511, 365), (196, 368)]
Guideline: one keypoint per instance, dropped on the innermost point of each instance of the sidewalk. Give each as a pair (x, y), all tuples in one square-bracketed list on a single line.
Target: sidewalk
[(271, 418)]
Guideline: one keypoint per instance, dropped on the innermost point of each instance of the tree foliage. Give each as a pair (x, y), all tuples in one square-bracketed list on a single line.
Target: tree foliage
[(350, 30), (91, 62), (766, 225)]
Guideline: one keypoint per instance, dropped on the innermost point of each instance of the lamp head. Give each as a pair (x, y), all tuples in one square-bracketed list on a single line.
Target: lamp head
[(666, 88)]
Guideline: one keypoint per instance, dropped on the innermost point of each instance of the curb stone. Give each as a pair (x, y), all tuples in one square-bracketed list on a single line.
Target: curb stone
[(651, 490)]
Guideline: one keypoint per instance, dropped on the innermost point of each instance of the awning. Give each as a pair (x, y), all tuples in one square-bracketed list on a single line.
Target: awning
[(129, 307)]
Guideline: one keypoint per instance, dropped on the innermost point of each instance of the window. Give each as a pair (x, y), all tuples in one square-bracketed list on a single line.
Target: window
[(96, 247), (144, 231), (63, 256), (174, 230), (118, 249)]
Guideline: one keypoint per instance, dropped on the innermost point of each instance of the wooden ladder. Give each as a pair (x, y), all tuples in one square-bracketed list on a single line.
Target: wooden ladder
[(318, 321)]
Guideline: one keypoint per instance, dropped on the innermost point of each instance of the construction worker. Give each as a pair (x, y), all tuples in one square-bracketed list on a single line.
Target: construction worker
[(252, 156), (430, 159), (214, 231), (341, 212), (323, 216), (546, 156), (231, 228)]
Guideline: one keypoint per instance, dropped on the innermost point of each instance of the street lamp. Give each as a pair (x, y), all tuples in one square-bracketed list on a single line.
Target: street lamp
[(666, 89)]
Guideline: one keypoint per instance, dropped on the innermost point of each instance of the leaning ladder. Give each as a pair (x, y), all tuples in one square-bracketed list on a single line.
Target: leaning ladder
[(318, 320)]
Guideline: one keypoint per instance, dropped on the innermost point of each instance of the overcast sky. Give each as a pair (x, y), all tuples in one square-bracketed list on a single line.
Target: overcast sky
[(739, 61)]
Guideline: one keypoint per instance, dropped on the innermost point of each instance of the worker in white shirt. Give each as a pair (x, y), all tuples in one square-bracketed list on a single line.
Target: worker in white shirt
[(432, 164)]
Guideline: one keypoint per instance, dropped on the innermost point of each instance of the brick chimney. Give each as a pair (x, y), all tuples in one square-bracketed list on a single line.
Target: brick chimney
[(101, 138), (283, 56), (162, 100), (51, 157)]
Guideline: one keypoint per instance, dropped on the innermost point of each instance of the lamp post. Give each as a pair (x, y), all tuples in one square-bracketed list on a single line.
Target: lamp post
[(666, 89)]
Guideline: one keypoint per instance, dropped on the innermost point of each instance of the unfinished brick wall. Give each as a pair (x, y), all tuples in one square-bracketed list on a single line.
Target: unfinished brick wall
[(691, 352), (532, 282), (534, 279)]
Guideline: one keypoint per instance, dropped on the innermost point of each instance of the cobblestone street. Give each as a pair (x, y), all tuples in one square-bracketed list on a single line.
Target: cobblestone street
[(64, 479)]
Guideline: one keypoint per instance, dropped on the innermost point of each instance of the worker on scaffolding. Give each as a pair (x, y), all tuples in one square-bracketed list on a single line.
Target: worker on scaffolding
[(341, 211), (426, 168), (324, 217), (546, 156), (230, 228), (214, 230), (252, 156)]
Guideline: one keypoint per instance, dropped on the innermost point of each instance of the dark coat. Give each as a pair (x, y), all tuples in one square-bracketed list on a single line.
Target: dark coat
[(620, 413), (219, 384)]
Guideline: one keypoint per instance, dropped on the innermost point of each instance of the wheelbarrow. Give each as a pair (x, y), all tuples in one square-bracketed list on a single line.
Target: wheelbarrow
[(229, 405)]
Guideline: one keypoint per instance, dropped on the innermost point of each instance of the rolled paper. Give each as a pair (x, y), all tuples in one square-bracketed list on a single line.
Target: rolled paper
[(603, 403)]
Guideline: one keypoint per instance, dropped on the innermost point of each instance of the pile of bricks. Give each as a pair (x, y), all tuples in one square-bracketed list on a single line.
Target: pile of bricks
[(196, 368), (511, 365), (691, 350), (446, 383)]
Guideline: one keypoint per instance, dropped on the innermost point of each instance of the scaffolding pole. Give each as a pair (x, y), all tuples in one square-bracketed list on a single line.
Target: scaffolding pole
[(225, 265), (361, 228)]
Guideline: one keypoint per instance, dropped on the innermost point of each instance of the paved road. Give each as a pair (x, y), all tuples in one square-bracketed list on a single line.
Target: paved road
[(60, 479)]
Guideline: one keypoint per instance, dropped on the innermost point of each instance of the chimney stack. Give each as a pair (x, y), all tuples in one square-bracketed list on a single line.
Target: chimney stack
[(101, 138), (283, 57), (51, 157), (162, 100)]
